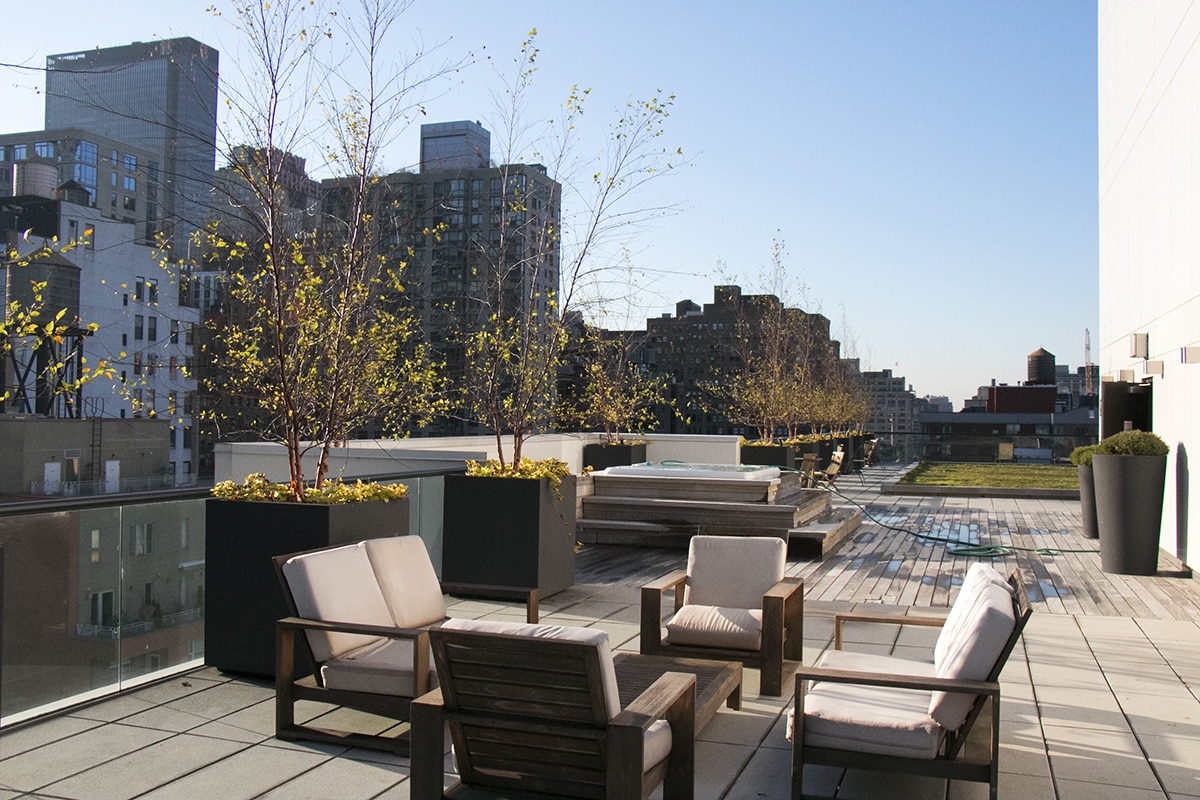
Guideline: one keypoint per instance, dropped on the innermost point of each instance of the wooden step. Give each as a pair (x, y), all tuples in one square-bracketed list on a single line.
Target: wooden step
[(699, 512), (685, 488), (821, 537), (637, 534)]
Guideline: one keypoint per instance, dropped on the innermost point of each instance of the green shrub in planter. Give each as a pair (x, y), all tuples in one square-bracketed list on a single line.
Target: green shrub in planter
[(1130, 471)]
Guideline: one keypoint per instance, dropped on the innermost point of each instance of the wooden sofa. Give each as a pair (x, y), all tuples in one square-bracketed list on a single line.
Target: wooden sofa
[(365, 611)]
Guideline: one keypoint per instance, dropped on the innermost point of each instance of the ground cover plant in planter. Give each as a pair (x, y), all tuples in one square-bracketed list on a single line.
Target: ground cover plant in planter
[(1130, 471), (510, 525)]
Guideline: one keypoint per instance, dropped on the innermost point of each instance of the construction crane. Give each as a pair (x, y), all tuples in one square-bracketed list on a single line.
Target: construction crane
[(1088, 386)]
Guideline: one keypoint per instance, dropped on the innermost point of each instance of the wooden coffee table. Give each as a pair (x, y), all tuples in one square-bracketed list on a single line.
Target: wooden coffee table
[(716, 681)]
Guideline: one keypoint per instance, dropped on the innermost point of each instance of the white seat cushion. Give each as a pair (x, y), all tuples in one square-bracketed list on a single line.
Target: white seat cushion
[(656, 743), (974, 653), (875, 662), (405, 574), (383, 667), (840, 716), (733, 571), (713, 626), (336, 585), (869, 719)]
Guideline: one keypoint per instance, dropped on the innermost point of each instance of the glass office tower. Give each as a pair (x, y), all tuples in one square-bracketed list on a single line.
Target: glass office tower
[(159, 96)]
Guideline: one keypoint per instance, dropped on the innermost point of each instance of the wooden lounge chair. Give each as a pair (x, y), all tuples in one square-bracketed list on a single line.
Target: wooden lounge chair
[(534, 708), (733, 603), (827, 476), (364, 611), (807, 468), (893, 714)]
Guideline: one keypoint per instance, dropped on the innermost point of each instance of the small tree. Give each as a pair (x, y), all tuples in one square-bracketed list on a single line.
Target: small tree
[(319, 339), (613, 394), (543, 268)]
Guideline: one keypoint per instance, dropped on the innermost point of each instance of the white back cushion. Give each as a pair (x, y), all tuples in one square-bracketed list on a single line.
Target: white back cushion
[(733, 571), (978, 576), (594, 636), (405, 574), (336, 585), (974, 653)]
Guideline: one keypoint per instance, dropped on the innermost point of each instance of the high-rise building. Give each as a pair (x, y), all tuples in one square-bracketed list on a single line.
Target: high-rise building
[(699, 347), (157, 96), (108, 170)]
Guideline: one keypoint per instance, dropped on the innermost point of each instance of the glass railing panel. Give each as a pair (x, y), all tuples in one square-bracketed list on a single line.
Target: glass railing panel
[(62, 608), (162, 587)]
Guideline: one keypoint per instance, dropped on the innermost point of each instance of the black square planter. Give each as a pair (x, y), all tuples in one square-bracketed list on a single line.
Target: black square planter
[(769, 455), (601, 455), (242, 597), (513, 532)]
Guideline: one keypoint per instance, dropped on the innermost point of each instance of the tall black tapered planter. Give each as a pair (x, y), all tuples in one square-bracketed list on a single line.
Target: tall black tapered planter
[(602, 455), (242, 597), (514, 532), (1087, 502), (1129, 501)]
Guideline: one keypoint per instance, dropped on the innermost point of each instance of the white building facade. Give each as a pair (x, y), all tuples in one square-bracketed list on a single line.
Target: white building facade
[(1149, 204), (143, 330)]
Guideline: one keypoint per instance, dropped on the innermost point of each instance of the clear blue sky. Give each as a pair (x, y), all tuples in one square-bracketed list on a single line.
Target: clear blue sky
[(931, 166)]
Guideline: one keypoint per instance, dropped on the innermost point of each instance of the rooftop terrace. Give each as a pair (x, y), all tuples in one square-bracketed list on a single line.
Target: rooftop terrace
[(1100, 699)]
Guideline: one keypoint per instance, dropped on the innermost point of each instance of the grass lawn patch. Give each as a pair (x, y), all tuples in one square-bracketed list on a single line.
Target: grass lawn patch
[(1018, 476)]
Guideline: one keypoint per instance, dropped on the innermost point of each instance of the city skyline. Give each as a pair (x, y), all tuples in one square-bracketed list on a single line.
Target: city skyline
[(930, 167)]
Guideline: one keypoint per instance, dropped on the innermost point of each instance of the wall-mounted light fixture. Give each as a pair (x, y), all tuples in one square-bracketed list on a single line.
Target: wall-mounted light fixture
[(1189, 355), (1154, 368), (1139, 345)]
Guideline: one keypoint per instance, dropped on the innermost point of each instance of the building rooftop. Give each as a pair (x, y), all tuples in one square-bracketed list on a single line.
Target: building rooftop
[(1099, 699)]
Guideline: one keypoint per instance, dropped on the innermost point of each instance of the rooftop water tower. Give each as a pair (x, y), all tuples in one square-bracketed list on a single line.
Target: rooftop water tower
[(1041, 368)]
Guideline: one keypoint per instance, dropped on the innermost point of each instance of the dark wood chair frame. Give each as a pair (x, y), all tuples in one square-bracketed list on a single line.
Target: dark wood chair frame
[(807, 469), (290, 687), (540, 734), (980, 762), (782, 630)]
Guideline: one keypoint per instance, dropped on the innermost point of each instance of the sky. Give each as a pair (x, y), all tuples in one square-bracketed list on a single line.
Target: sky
[(930, 168)]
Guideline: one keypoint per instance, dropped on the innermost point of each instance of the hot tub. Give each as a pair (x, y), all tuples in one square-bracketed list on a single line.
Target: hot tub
[(681, 469)]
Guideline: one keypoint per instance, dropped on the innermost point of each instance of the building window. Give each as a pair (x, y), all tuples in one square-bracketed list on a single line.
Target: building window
[(115, 157), (152, 328), (129, 203), (143, 539), (152, 291), (137, 370), (130, 183), (171, 406), (174, 331), (44, 149), (18, 152), (131, 162), (139, 323), (102, 606), (174, 368), (87, 152)]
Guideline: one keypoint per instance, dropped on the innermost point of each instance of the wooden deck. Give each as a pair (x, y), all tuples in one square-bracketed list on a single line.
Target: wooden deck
[(884, 563)]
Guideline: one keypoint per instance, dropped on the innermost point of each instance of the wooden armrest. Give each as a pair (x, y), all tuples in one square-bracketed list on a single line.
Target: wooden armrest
[(670, 581), (884, 619), (887, 680), (431, 698), (651, 617), (786, 588), (658, 700), (525, 595), (296, 623)]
